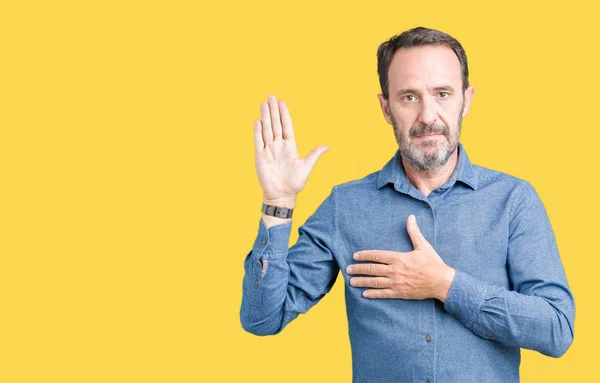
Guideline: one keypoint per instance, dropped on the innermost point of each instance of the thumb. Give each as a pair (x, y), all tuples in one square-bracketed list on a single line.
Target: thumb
[(414, 232), (311, 159)]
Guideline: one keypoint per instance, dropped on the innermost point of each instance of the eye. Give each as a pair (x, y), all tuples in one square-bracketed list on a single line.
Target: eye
[(443, 95), (409, 98)]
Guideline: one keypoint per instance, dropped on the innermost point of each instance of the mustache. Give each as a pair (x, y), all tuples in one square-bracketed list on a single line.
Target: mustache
[(432, 128)]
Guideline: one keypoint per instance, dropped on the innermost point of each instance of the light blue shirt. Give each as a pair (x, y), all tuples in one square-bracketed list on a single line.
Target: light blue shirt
[(509, 291)]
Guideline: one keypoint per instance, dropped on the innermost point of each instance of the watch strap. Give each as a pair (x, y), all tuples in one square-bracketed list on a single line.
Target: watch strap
[(276, 211)]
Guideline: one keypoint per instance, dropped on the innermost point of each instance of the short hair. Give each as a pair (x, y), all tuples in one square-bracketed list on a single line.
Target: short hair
[(417, 37)]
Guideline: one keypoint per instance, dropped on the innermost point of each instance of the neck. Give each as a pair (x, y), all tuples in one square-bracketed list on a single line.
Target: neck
[(426, 182)]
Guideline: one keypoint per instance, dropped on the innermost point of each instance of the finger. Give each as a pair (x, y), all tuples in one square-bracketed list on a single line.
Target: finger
[(379, 294), (376, 282), (368, 269), (414, 232), (267, 132), (380, 256), (286, 121), (311, 159), (258, 137), (275, 118)]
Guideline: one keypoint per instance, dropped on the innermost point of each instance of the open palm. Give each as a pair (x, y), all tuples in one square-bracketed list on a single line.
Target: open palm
[(281, 172)]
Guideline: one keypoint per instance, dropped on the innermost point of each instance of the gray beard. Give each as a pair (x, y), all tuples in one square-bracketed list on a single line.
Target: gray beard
[(417, 158)]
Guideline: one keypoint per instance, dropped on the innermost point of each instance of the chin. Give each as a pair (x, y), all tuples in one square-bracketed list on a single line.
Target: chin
[(431, 145)]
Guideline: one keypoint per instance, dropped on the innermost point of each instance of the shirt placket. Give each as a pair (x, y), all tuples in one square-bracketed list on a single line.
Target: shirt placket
[(430, 336)]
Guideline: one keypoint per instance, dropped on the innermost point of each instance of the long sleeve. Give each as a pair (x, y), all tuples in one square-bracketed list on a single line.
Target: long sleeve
[(538, 313), (279, 283)]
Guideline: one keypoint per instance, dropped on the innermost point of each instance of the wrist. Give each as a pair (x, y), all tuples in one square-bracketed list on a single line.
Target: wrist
[(287, 202), (446, 281)]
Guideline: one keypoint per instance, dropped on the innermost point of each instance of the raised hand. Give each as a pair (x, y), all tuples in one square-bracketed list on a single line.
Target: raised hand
[(281, 172)]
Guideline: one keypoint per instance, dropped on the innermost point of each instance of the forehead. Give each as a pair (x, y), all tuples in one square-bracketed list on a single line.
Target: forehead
[(427, 66)]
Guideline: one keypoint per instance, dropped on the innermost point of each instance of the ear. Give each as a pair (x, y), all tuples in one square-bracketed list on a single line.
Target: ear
[(469, 92), (385, 108)]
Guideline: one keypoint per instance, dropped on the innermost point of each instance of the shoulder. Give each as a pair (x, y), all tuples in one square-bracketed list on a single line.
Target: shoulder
[(365, 184), (489, 178), (515, 192)]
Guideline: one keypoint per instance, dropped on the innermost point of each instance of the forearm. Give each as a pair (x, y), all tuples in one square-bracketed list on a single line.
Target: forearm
[(541, 322), (281, 283), (264, 292), (270, 221), (260, 294)]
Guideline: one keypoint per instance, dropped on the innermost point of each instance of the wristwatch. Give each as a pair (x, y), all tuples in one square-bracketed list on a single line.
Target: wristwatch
[(275, 211)]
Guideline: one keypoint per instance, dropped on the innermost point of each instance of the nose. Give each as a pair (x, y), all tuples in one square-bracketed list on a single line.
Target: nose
[(428, 112)]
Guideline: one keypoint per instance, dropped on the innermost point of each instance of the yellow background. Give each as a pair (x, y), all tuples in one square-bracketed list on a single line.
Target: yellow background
[(128, 191)]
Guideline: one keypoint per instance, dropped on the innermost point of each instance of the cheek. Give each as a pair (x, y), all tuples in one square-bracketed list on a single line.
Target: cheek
[(450, 116), (402, 127), (405, 119)]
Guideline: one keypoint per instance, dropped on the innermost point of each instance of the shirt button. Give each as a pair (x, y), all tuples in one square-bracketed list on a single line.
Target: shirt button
[(428, 338), (257, 282), (264, 241), (492, 337), (456, 315), (427, 205)]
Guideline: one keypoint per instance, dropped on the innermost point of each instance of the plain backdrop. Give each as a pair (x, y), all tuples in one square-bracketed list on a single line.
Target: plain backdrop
[(128, 195)]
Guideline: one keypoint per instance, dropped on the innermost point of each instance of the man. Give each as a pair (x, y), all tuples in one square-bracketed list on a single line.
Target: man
[(449, 268)]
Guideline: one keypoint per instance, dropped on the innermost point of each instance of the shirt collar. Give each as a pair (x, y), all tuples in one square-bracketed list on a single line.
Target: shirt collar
[(393, 172)]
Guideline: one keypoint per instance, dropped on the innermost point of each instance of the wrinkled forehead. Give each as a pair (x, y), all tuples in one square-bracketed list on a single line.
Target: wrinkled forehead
[(423, 68)]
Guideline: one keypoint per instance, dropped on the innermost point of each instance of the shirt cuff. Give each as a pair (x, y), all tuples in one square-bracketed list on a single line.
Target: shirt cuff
[(465, 298), (272, 243)]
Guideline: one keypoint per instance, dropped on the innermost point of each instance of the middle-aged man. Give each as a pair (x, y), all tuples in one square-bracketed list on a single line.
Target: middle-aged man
[(449, 268)]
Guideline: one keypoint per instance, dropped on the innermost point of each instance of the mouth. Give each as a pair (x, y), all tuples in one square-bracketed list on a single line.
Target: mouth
[(429, 135)]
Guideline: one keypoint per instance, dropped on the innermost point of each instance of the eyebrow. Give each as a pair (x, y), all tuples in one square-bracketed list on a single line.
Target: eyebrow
[(437, 88)]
